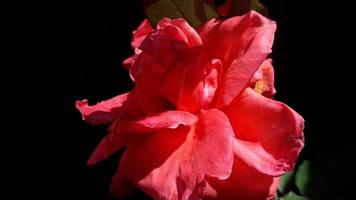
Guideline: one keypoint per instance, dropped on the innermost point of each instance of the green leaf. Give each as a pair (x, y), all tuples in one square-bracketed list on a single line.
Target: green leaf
[(240, 7), (276, 196), (293, 196), (257, 6), (303, 177), (194, 11), (285, 183), (330, 174)]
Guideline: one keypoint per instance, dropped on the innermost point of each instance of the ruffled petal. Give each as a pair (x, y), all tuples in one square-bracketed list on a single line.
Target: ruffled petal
[(123, 130), (168, 119), (169, 48), (212, 76), (109, 145), (198, 92), (242, 43), (193, 37), (141, 33), (167, 45), (107, 111), (138, 36), (127, 63), (244, 183), (192, 94), (269, 133), (173, 164), (148, 77), (142, 156), (191, 40)]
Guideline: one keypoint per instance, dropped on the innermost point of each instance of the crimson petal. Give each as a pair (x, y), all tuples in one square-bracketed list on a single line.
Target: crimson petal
[(103, 112), (141, 33), (245, 183), (122, 130), (172, 164), (269, 133), (242, 43), (138, 36)]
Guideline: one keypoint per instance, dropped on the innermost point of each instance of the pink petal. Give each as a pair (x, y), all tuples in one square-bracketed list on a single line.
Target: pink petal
[(244, 183), (174, 84), (172, 164), (211, 142), (192, 36), (170, 45), (141, 33), (148, 74), (123, 130), (186, 93), (212, 76), (269, 133), (138, 36), (242, 43), (192, 94), (109, 145), (105, 111), (128, 62), (192, 39), (199, 92), (169, 49), (142, 156), (168, 119)]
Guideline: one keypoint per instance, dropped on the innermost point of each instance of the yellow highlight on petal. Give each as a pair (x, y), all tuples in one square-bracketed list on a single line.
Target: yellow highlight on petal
[(261, 86)]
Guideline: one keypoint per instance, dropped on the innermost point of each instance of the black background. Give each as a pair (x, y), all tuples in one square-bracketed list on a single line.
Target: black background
[(312, 54)]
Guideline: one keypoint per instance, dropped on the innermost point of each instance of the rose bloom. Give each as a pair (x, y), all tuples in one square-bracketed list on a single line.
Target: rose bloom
[(200, 122)]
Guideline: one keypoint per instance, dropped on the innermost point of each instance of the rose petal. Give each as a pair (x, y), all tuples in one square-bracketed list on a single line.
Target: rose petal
[(193, 37), (211, 152), (143, 155), (138, 36), (184, 92), (172, 164), (269, 133), (242, 43), (199, 92), (107, 111), (148, 74), (161, 52), (127, 63), (192, 94), (109, 145), (141, 33), (164, 57), (244, 183), (168, 119), (212, 74), (121, 131), (173, 42)]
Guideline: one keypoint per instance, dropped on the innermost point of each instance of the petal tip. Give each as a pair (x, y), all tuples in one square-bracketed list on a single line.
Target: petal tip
[(81, 103), (90, 162)]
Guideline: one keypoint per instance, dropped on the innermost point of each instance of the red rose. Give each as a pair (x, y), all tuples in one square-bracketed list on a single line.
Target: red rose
[(200, 122)]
